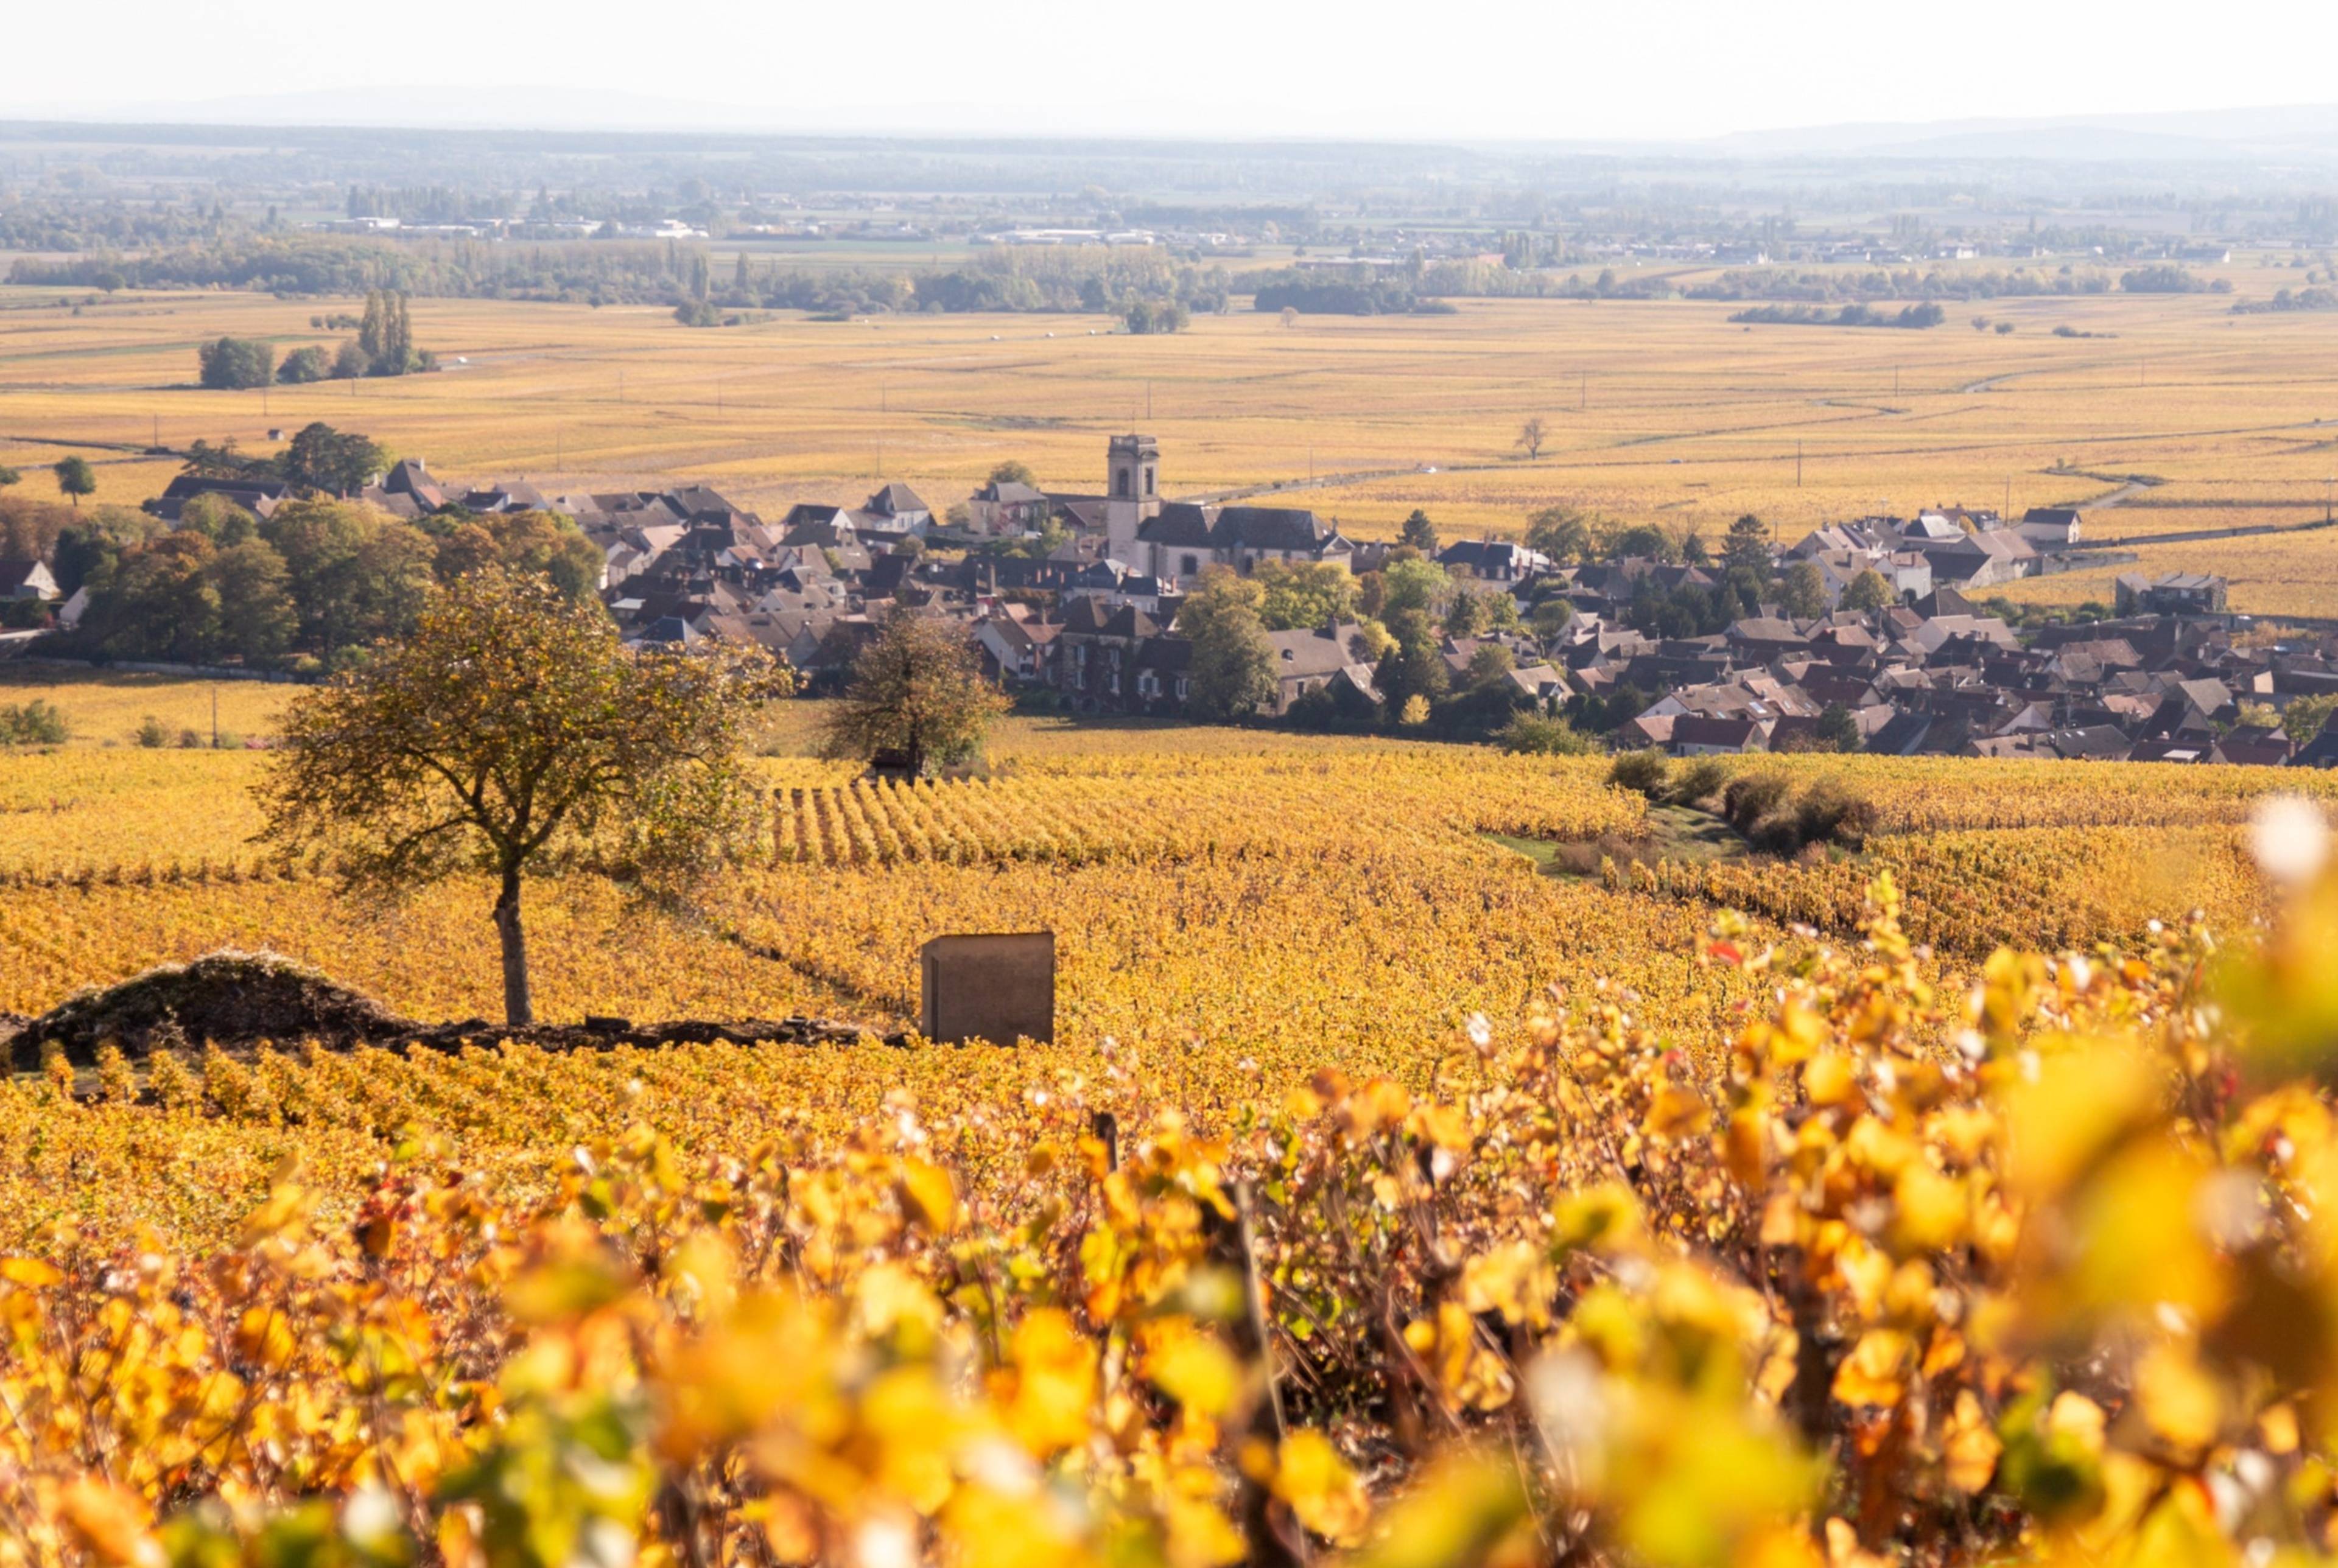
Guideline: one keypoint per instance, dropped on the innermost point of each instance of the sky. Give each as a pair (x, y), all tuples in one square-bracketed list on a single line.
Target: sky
[(1531, 70)]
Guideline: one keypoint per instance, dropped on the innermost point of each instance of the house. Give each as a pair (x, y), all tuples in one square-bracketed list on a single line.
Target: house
[(28, 578), (260, 497), (2178, 594), (895, 508), (1492, 560), (2050, 527), (1182, 540), (1305, 660), (1006, 508), (1692, 736)]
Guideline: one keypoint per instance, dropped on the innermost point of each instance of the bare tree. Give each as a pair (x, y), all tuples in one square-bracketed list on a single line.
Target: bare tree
[(1531, 436)]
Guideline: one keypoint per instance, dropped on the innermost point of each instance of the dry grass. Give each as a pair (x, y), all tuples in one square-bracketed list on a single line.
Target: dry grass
[(1661, 410)]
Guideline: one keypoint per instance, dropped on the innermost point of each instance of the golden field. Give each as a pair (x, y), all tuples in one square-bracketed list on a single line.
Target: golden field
[(1660, 410)]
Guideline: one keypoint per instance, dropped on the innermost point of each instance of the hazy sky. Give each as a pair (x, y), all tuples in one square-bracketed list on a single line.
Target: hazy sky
[(1497, 68)]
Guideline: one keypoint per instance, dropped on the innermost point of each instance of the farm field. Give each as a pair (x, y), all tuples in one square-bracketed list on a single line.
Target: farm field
[(1658, 410)]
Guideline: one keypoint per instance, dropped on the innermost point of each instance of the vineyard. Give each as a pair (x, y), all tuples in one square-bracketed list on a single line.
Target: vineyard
[(1385, 1198)]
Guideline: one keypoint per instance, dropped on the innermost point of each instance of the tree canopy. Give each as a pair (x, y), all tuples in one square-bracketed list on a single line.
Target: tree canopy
[(512, 733), (917, 692), (1234, 673)]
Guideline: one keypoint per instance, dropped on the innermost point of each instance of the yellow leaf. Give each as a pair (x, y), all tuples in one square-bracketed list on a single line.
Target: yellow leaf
[(929, 1195), (29, 1272)]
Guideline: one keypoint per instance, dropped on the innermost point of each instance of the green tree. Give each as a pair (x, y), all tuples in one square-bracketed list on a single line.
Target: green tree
[(334, 462), (371, 333), (217, 519), (158, 603), (533, 542), (1564, 533), (510, 734), (257, 617), (2303, 720), (1801, 592), (356, 574), (1413, 586), (1838, 728), (1868, 591), (234, 364), (1414, 670), (917, 691), (1298, 596), (1013, 472), (1643, 541), (351, 362), (1489, 666), (1747, 548), (1233, 671), (307, 363), (1418, 532), (9, 476), (76, 478)]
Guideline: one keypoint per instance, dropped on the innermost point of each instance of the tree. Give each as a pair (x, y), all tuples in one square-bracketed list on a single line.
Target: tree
[(2303, 720), (1747, 547), (234, 364), (372, 336), (1531, 436), (257, 617), (356, 574), (1868, 591), (916, 690), (350, 361), (1491, 663), (1305, 595), (511, 734), (1013, 472), (217, 519), (1234, 673), (307, 363), (9, 476), (1801, 592), (1644, 541), (76, 478), (1562, 532), (1414, 670), (1413, 586), (1419, 532), (1838, 728), (336, 462)]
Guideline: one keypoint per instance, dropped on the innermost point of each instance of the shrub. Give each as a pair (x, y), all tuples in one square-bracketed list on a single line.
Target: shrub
[(37, 723), (1830, 812), (1748, 799), (1532, 735), (1700, 780), (1643, 771), (152, 732)]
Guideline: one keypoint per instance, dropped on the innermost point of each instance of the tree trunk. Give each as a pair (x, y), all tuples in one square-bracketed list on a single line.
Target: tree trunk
[(518, 1009)]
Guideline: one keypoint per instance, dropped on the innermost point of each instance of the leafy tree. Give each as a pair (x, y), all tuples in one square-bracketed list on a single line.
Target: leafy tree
[(334, 462), (1801, 592), (1012, 472), (1234, 673), (1305, 594), (351, 362), (1693, 551), (372, 336), (76, 478), (1465, 616), (1562, 532), (257, 617), (1643, 541), (1413, 586), (234, 364), (1533, 735), (1490, 664), (1531, 437), (1747, 548), (158, 603), (2303, 720), (916, 690), (1838, 728), (1414, 670), (1551, 618), (1418, 532), (9, 476), (1868, 591), (533, 542), (217, 519), (301, 365), (510, 734), (356, 574)]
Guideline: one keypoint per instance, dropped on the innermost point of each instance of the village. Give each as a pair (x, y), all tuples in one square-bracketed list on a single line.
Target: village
[(1872, 634)]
